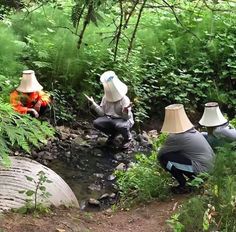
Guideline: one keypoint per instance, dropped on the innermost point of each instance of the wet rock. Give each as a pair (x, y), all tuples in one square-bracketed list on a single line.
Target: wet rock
[(98, 175), (73, 136), (112, 195), (48, 156), (121, 167), (119, 156), (91, 137), (80, 141), (95, 187), (101, 141), (80, 168), (68, 154), (111, 177), (153, 134), (97, 152), (104, 196), (63, 136), (93, 202), (82, 205)]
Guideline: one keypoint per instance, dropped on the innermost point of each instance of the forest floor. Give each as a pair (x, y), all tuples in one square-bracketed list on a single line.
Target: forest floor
[(146, 218)]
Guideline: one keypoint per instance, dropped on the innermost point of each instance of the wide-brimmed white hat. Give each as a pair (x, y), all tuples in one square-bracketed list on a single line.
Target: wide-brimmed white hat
[(29, 83), (212, 115), (114, 89), (176, 120)]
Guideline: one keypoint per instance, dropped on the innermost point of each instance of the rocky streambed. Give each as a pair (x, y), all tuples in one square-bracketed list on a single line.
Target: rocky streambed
[(80, 157)]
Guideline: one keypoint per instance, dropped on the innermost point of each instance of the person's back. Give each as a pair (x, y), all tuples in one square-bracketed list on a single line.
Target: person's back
[(192, 145), (185, 152)]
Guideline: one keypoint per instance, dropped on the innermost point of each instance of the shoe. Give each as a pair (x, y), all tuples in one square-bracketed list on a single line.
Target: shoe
[(181, 189), (126, 144)]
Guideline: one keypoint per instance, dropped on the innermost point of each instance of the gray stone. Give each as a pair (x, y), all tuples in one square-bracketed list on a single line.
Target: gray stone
[(118, 156), (111, 177), (98, 175), (121, 167), (104, 196), (94, 202), (95, 187), (112, 195)]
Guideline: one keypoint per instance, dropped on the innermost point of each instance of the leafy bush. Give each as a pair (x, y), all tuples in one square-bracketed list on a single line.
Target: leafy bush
[(20, 131), (215, 209), (144, 180)]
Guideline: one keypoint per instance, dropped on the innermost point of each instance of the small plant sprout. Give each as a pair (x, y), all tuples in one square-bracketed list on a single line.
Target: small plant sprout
[(32, 203)]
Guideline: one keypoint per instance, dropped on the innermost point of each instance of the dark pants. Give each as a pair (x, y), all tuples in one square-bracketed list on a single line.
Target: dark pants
[(113, 126), (178, 165)]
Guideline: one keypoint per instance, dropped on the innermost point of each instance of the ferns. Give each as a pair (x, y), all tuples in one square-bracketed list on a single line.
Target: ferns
[(20, 131)]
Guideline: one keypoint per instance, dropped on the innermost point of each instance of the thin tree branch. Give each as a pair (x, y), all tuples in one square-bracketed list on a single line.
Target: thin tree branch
[(178, 20), (135, 30), (118, 34), (130, 14), (86, 22)]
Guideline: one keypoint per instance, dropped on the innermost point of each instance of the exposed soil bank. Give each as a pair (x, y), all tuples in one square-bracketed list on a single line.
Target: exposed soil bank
[(149, 218)]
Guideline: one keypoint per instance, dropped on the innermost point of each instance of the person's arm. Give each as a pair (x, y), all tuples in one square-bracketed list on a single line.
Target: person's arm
[(19, 107), (225, 132), (16, 103), (99, 110), (43, 98), (126, 108)]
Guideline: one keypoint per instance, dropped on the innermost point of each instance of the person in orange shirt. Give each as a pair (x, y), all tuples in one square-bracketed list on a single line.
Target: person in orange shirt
[(28, 98)]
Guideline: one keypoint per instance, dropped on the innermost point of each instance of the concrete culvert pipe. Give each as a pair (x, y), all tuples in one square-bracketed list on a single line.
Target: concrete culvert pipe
[(22, 176)]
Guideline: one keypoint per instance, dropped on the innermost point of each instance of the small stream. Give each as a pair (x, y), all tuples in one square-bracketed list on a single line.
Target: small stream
[(87, 177), (81, 158)]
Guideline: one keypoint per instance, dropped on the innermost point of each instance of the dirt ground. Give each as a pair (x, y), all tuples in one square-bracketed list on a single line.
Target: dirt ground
[(147, 218)]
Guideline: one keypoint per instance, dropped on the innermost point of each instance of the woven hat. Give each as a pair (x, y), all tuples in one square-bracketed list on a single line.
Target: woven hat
[(176, 120), (29, 83), (114, 89), (212, 115)]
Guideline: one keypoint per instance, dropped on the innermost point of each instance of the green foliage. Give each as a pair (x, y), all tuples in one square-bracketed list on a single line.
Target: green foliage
[(20, 131), (33, 204), (215, 209), (143, 181), (11, 48), (169, 63), (175, 224)]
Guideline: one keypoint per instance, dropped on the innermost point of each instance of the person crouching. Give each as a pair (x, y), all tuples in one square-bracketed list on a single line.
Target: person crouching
[(115, 112), (28, 98), (186, 152)]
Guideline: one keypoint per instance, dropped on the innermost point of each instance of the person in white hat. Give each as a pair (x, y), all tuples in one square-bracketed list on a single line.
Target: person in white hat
[(115, 109), (28, 98), (186, 152), (218, 128)]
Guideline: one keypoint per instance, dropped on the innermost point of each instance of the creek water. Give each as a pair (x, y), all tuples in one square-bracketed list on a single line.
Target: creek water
[(89, 175)]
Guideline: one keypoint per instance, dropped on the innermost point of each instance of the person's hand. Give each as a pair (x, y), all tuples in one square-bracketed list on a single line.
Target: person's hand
[(37, 106), (89, 98), (34, 112), (125, 109)]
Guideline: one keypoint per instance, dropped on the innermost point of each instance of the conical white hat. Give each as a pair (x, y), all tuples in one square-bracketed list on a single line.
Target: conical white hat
[(212, 115), (176, 120), (29, 83), (114, 89)]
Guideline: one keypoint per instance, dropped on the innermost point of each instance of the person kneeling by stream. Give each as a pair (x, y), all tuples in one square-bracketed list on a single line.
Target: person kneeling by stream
[(28, 98), (186, 152), (115, 112)]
